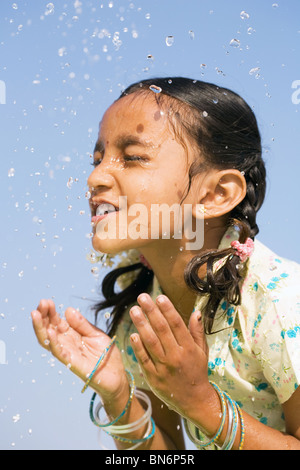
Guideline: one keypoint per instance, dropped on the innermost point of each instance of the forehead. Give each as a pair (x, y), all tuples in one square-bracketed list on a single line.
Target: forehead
[(135, 114)]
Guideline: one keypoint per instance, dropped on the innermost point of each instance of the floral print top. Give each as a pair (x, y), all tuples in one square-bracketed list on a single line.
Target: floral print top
[(256, 356)]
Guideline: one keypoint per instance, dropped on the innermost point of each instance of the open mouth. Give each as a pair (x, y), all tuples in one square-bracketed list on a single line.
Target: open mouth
[(103, 210)]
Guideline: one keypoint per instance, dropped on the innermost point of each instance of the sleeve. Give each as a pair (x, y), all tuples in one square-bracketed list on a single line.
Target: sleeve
[(276, 334)]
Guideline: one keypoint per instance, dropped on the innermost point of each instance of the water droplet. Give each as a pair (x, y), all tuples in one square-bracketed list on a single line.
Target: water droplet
[(70, 182), (254, 71), (155, 89), (61, 51), (205, 114), (14, 6), (275, 5), (107, 315), (46, 342), (191, 34), (21, 274), (16, 418), (250, 30), (169, 41), (11, 172), (244, 15), (235, 43), (49, 9)]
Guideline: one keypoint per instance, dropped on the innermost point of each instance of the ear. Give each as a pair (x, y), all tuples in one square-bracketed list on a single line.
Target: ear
[(220, 192)]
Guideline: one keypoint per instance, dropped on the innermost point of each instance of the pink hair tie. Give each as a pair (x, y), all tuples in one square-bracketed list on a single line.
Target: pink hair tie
[(244, 250), (145, 262)]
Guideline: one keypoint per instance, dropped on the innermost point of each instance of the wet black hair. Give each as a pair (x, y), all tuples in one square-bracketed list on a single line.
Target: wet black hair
[(224, 129)]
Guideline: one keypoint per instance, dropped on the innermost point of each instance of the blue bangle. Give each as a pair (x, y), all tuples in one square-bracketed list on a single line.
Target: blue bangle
[(103, 425), (235, 422), (101, 359), (199, 440)]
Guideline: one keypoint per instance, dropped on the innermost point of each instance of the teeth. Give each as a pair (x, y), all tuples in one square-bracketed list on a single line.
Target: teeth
[(105, 208)]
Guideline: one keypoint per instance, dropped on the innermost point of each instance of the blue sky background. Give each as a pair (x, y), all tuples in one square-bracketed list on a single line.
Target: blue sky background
[(62, 68)]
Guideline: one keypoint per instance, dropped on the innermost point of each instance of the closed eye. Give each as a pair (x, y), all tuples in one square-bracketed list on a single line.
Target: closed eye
[(132, 158), (126, 158)]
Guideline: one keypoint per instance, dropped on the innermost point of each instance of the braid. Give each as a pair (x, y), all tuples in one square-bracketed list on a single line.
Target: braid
[(256, 188)]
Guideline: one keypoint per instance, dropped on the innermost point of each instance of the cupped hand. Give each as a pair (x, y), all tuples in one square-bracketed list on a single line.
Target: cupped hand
[(78, 344)]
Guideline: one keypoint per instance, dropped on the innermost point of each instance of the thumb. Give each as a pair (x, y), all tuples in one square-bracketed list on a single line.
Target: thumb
[(196, 328)]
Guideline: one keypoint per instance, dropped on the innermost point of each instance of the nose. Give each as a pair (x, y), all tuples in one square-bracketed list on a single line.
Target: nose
[(102, 175)]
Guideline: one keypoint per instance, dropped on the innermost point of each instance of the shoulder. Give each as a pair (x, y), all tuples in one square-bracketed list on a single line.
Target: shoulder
[(278, 277), (270, 313)]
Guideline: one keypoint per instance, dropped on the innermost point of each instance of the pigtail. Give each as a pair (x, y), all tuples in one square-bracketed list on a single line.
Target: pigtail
[(222, 284)]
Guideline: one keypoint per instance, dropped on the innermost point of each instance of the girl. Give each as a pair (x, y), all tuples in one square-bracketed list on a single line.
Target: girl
[(211, 335)]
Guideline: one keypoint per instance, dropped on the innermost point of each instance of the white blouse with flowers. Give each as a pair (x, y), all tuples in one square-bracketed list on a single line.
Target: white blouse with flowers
[(256, 356)]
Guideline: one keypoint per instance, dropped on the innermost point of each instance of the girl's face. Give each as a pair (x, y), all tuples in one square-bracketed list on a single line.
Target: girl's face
[(138, 162)]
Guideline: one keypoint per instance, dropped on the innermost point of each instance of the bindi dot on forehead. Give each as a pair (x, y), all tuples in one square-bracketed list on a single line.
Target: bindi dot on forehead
[(140, 128)]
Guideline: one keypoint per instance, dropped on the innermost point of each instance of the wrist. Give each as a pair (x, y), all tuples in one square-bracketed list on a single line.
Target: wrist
[(119, 401), (205, 411)]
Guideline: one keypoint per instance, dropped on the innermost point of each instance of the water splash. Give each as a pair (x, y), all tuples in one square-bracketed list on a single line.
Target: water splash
[(244, 15), (169, 41), (235, 43), (155, 89), (49, 9)]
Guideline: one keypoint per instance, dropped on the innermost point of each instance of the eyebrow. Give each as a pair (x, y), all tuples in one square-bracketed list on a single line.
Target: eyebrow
[(124, 141)]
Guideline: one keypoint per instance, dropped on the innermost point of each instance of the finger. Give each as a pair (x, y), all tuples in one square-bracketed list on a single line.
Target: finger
[(80, 324), (157, 321), (56, 347), (55, 321), (54, 317), (174, 319), (141, 354), (39, 328), (196, 328), (147, 336)]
